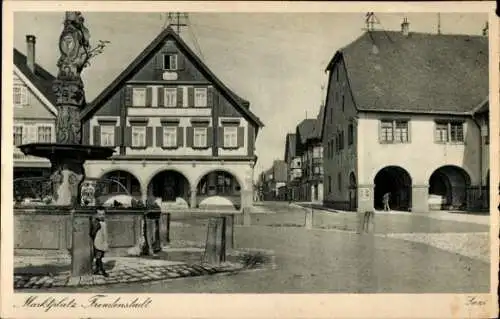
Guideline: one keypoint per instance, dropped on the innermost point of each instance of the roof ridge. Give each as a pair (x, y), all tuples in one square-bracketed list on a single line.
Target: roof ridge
[(151, 49)]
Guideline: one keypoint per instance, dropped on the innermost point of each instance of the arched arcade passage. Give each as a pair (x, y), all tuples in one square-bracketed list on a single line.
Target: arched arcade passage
[(169, 186), (448, 188), (397, 182), (218, 188), (120, 182)]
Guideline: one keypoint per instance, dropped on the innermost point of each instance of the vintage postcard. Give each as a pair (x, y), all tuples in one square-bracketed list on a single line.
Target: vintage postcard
[(240, 160)]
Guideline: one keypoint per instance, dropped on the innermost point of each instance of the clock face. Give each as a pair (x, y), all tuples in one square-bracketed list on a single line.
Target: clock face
[(68, 44)]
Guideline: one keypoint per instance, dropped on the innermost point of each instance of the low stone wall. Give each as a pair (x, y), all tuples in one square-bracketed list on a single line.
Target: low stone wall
[(50, 229)]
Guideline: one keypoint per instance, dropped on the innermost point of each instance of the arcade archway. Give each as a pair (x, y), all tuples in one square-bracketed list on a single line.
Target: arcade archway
[(448, 188), (397, 182), (169, 186), (219, 189)]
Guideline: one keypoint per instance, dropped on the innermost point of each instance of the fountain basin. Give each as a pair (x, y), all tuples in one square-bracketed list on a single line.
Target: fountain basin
[(55, 151)]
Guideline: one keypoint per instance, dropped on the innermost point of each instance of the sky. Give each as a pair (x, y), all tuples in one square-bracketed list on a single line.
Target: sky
[(276, 61)]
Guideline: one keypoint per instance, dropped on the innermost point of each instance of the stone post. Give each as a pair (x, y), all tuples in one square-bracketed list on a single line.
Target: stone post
[(215, 246), (308, 224), (420, 198), (82, 246), (164, 228)]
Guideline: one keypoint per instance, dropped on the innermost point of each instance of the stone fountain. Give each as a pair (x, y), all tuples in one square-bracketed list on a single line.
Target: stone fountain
[(68, 155)]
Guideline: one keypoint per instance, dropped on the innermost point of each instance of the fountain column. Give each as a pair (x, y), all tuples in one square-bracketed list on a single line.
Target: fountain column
[(67, 156)]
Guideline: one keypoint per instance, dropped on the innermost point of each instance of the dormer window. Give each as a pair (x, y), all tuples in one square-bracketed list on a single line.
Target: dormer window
[(170, 62), (20, 95)]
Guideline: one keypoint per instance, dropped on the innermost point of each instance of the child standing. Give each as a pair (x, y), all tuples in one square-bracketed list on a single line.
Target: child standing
[(99, 234)]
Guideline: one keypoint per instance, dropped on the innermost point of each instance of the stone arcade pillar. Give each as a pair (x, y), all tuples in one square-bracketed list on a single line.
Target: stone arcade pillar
[(365, 197), (420, 198), (192, 198)]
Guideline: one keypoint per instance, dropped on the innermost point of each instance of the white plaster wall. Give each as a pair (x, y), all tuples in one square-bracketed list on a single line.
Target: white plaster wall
[(421, 157)]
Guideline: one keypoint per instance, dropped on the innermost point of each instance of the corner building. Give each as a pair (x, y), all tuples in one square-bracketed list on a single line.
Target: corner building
[(407, 113)]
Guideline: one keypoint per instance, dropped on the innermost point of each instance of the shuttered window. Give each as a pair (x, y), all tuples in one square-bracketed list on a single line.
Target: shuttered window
[(231, 136), (138, 136), (170, 136), (139, 97), (200, 97), (170, 62), (200, 137), (170, 97), (107, 135), (18, 135)]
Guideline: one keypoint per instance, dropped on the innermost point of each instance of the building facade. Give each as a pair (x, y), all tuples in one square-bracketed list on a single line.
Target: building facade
[(309, 148), (406, 114), (34, 111), (294, 167), (180, 135)]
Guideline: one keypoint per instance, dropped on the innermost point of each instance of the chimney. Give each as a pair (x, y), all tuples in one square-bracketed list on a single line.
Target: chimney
[(405, 27), (30, 52)]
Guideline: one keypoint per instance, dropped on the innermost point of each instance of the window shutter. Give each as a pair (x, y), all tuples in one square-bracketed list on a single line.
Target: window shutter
[(118, 136), (180, 136), (161, 96), (159, 136), (241, 137), (210, 136), (149, 136), (180, 96), (128, 96), (97, 135), (127, 139), (220, 137), (181, 63), (149, 96), (210, 99), (190, 96), (189, 136)]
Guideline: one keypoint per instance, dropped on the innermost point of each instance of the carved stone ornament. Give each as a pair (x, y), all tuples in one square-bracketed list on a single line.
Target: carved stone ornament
[(66, 179)]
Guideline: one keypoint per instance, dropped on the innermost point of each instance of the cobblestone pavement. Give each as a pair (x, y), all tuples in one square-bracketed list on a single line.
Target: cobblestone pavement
[(125, 270)]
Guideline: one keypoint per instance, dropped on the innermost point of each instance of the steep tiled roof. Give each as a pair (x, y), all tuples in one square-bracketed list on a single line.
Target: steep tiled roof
[(306, 129), (41, 78), (317, 127), (152, 48), (423, 73)]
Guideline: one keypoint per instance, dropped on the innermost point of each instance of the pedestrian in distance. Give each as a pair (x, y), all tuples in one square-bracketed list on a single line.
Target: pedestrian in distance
[(386, 200), (99, 235)]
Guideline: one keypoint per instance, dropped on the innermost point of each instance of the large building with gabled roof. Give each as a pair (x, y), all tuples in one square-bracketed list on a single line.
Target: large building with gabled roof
[(407, 114), (180, 134), (34, 110)]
